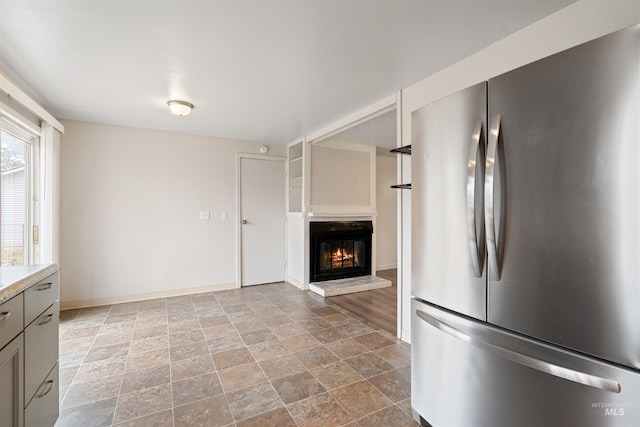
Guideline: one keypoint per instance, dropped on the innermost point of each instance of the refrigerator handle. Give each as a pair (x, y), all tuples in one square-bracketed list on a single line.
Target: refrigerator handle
[(476, 245), (489, 205), (522, 359)]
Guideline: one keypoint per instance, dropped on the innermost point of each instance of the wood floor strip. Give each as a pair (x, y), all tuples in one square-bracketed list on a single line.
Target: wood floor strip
[(378, 306)]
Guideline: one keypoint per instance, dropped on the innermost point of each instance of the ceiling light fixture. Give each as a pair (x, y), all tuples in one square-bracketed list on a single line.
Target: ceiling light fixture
[(180, 108)]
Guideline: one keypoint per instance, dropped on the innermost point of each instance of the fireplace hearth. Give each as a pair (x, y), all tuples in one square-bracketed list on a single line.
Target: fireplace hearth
[(340, 249)]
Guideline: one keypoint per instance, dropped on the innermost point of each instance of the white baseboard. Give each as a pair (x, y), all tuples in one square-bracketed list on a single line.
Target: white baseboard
[(296, 283), (406, 336), (93, 302), (386, 266)]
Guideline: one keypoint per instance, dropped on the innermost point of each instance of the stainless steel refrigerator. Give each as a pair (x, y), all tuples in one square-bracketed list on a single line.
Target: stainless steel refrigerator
[(526, 245)]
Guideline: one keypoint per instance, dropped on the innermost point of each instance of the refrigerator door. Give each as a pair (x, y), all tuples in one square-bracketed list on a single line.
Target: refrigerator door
[(448, 146), (467, 373), (569, 149)]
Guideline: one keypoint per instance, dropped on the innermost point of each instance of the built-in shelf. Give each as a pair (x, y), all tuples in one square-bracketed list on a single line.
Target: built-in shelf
[(296, 174), (402, 186), (402, 150)]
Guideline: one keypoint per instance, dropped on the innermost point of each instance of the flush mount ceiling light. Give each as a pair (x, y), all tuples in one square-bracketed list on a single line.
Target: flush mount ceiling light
[(180, 108)]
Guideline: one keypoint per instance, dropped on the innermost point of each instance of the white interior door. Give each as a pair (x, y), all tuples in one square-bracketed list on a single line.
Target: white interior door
[(262, 214)]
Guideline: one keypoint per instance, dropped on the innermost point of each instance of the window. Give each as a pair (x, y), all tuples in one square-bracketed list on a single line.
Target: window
[(17, 213)]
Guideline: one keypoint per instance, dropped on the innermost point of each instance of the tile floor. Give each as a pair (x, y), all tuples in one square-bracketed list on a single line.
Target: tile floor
[(268, 355)]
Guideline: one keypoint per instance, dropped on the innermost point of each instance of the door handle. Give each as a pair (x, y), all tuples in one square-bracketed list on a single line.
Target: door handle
[(4, 316), (48, 386), (44, 287), (244, 222), (522, 359), (476, 245), (489, 203), (46, 319)]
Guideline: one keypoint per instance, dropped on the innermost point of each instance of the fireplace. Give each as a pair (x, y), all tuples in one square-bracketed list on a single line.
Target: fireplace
[(340, 249)]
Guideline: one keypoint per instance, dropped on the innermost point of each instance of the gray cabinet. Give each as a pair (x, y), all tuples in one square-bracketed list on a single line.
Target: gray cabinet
[(10, 319), (29, 356), (11, 363), (11, 383), (41, 350), (42, 411), (41, 320), (39, 297)]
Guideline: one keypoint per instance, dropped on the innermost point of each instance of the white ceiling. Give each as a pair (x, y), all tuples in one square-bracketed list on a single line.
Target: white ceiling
[(268, 71)]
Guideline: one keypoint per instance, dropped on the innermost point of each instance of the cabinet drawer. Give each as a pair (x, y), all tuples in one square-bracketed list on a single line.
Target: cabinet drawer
[(39, 297), (11, 383), (10, 319), (40, 349), (42, 411)]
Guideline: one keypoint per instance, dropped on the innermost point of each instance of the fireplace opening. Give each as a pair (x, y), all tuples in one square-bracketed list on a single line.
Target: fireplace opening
[(340, 249)]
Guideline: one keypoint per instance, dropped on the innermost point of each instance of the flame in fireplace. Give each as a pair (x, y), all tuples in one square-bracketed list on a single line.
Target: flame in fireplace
[(343, 258)]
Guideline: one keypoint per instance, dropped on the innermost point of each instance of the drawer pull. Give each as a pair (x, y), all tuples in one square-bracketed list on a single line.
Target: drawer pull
[(48, 387), (48, 318), (44, 287), (4, 315)]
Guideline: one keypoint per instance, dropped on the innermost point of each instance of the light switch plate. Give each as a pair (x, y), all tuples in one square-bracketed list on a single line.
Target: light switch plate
[(205, 215)]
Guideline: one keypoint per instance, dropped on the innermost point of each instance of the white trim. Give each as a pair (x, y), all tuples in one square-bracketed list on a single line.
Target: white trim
[(295, 283), (405, 336), (306, 176), (399, 219), (347, 146), (238, 224), (21, 96), (374, 110), (341, 210), (19, 131), (294, 142), (262, 157), (31, 184), (320, 218), (34, 203), (241, 156), (298, 179), (49, 196), (10, 115), (373, 194), (93, 302)]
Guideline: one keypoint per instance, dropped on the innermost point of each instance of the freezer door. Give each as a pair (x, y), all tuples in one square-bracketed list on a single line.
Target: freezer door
[(466, 373), (568, 181), (448, 146)]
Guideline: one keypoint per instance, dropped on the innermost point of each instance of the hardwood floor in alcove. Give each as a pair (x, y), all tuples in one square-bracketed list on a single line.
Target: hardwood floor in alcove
[(378, 306)]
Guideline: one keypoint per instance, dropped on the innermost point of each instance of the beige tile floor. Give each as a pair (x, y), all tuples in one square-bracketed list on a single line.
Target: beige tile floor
[(268, 355)]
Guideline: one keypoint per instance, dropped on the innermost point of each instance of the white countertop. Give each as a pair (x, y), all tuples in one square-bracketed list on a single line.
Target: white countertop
[(16, 279)]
